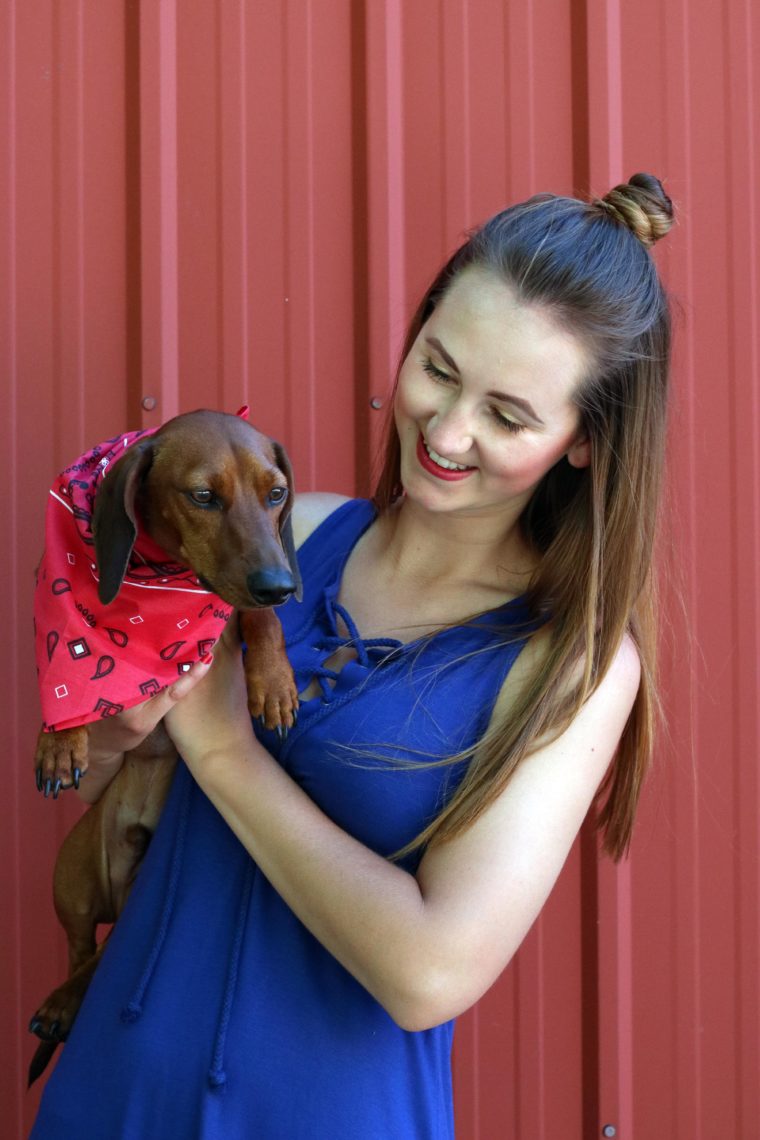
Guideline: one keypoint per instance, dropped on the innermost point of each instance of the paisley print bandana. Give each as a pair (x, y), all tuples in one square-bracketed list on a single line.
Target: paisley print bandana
[(94, 661)]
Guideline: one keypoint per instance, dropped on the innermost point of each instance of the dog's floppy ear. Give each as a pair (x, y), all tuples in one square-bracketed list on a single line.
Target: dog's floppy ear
[(286, 526), (114, 523)]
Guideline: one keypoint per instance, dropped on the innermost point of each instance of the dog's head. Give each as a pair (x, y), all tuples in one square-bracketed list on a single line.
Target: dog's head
[(216, 495)]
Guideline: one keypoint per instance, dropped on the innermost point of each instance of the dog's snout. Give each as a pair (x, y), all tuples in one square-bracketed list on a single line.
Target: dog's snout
[(270, 587)]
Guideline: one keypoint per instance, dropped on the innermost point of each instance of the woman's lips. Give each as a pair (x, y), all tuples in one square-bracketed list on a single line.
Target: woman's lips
[(434, 468)]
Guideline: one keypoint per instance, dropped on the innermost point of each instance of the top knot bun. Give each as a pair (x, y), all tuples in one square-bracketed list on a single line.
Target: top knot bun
[(642, 204)]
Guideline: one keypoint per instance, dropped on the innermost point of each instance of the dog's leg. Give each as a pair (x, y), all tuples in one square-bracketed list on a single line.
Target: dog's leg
[(81, 902), (60, 759), (53, 1020), (94, 872), (272, 692)]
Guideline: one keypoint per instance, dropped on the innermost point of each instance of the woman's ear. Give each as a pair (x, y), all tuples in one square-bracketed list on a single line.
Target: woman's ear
[(579, 453)]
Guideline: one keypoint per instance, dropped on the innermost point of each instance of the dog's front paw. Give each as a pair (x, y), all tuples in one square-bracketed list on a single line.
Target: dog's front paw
[(273, 696), (60, 759), (272, 692)]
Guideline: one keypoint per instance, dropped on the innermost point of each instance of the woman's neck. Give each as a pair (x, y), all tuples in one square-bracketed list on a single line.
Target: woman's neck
[(427, 548)]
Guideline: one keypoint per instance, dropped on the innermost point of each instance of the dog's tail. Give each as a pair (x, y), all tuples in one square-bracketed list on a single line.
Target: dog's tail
[(41, 1059)]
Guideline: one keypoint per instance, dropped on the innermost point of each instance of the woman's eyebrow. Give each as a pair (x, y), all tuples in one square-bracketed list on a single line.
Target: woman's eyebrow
[(434, 342), (519, 403)]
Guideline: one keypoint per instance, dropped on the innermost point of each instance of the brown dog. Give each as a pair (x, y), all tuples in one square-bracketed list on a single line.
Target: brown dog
[(215, 496)]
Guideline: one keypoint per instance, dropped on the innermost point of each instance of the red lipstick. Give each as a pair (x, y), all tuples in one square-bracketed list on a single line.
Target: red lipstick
[(434, 468)]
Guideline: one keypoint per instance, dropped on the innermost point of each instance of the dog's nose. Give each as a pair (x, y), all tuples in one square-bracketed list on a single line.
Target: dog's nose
[(270, 587)]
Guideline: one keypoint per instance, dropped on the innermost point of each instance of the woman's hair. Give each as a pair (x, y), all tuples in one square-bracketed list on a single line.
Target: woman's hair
[(587, 266)]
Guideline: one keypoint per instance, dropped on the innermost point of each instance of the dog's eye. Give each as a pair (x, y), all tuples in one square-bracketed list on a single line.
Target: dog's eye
[(204, 498), (278, 495)]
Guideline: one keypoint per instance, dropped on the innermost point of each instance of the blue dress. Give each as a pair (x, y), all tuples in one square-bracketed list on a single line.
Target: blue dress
[(214, 1013)]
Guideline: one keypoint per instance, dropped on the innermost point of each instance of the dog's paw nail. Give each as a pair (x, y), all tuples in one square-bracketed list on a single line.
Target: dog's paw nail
[(56, 788), (281, 733), (75, 777), (34, 1024), (38, 778), (53, 1029), (48, 786)]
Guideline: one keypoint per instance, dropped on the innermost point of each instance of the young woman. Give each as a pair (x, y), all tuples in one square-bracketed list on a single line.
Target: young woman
[(475, 657)]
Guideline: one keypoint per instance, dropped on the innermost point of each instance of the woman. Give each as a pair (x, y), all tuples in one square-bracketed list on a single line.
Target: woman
[(475, 655)]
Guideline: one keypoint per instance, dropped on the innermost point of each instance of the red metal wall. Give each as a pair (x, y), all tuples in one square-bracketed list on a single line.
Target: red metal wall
[(210, 203)]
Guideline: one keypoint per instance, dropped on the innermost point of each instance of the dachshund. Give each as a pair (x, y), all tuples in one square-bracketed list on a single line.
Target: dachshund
[(209, 498)]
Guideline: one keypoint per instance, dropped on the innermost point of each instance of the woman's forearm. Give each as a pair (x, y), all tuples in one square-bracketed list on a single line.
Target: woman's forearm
[(369, 913)]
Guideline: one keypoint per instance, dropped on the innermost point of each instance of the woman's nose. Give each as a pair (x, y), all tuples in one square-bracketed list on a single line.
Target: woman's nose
[(450, 431)]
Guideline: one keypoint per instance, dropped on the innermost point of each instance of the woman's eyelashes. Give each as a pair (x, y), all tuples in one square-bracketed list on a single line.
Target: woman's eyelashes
[(442, 377), (436, 373)]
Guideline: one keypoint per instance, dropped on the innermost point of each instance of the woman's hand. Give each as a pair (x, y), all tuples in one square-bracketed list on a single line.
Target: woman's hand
[(212, 721), (109, 739)]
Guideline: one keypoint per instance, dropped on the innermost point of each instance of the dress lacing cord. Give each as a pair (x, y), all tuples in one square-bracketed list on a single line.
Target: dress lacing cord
[(134, 1007), (217, 1077), (367, 649)]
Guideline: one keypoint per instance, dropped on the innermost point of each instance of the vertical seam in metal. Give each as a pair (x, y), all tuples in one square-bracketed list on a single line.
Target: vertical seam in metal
[(169, 233)]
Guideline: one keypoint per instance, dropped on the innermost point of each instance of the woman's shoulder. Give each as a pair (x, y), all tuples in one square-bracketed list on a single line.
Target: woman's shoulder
[(312, 508), (619, 685)]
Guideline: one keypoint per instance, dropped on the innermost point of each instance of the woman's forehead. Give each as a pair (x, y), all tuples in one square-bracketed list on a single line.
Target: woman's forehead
[(480, 320)]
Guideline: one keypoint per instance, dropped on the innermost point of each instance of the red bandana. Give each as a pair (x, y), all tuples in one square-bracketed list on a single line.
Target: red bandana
[(93, 660)]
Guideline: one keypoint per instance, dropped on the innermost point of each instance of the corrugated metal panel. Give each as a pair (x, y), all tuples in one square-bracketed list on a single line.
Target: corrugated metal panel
[(64, 371), (206, 204), (694, 934)]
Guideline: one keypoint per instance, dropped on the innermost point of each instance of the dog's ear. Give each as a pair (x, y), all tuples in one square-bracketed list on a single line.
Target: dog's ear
[(286, 526), (114, 522)]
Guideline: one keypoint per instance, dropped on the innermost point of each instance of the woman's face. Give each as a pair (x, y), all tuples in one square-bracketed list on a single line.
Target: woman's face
[(484, 403)]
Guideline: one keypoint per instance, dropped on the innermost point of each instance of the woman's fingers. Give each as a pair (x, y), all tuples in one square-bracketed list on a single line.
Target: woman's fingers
[(186, 683)]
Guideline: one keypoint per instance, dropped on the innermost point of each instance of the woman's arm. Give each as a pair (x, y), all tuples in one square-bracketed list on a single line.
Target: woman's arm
[(429, 946)]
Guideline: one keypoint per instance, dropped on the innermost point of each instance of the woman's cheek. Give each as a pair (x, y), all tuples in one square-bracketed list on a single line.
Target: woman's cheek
[(410, 407), (525, 465)]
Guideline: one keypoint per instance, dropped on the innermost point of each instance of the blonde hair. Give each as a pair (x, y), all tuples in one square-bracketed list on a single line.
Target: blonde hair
[(586, 264)]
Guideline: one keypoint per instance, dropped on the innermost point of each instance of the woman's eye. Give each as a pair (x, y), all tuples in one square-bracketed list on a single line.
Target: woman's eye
[(436, 373), (444, 378), (510, 425), (278, 495)]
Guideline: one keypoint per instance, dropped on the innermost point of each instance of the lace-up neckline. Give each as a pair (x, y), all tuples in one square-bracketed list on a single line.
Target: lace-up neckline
[(338, 658), (367, 652)]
